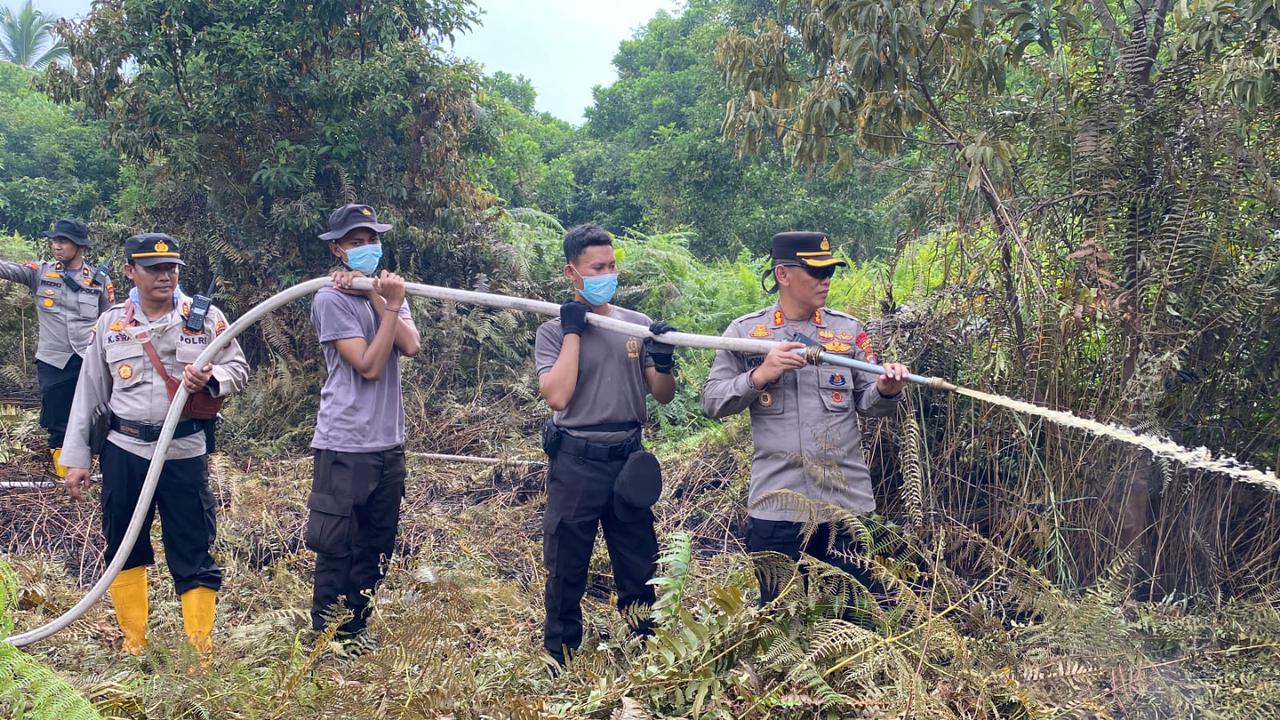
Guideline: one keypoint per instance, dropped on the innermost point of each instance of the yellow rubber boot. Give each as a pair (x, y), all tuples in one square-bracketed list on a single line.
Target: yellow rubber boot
[(197, 618), (58, 467), (129, 596)]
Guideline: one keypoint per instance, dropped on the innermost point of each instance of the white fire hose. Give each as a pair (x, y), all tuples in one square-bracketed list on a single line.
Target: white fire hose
[(813, 354)]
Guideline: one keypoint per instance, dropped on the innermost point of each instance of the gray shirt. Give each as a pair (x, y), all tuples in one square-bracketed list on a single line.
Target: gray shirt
[(118, 371), (356, 415), (611, 386), (803, 427), (66, 312)]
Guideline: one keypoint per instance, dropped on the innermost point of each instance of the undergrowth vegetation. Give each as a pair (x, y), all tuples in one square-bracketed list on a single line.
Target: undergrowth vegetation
[(957, 628)]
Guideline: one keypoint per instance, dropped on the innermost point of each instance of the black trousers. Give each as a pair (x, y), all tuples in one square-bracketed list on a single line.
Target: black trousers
[(57, 389), (355, 513), (579, 500), (785, 537), (187, 520)]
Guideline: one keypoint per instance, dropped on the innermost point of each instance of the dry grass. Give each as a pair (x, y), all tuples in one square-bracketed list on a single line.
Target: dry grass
[(979, 635)]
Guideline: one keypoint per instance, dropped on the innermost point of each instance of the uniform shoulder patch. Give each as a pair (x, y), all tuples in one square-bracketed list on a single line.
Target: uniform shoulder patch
[(864, 344)]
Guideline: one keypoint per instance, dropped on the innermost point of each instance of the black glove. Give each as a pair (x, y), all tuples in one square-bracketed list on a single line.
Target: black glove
[(664, 358), (573, 317)]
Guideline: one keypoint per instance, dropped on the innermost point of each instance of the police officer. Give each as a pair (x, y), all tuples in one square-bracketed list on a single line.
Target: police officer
[(596, 382), (69, 298), (803, 423), (138, 349)]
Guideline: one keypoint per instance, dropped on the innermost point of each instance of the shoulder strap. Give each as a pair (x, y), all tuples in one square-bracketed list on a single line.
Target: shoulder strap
[(151, 351)]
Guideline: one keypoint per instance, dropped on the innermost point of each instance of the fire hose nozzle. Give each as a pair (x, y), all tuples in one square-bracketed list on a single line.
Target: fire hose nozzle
[(938, 383)]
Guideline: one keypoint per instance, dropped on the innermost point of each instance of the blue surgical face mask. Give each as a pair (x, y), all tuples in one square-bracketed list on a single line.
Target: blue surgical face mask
[(177, 295), (364, 258), (598, 290)]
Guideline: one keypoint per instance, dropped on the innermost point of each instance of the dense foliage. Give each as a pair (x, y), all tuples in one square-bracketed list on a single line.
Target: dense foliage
[(1071, 203)]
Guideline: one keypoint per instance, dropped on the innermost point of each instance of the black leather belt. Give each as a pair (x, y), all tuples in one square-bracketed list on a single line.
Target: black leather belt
[(599, 451), (146, 432)]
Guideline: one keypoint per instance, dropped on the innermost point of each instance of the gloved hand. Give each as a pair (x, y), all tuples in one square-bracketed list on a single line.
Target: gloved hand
[(664, 359), (573, 318)]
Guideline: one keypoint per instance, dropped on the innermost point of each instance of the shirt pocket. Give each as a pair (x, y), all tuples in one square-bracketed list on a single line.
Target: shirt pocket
[(773, 401), (127, 361), (87, 304), (187, 353), (835, 387)]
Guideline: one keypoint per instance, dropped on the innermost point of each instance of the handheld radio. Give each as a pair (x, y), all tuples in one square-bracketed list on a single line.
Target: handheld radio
[(200, 307)]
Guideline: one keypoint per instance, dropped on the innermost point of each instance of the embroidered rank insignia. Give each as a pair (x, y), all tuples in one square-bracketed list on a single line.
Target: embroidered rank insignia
[(864, 344), (111, 292), (826, 335), (366, 212), (825, 244), (817, 317), (125, 372), (48, 302), (117, 326), (837, 396), (766, 399), (633, 348), (779, 319), (186, 309), (760, 331), (162, 246), (845, 335), (837, 379), (222, 325), (838, 347)]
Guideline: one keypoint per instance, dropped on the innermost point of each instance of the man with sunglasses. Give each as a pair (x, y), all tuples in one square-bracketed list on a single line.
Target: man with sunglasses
[(807, 464), (138, 354)]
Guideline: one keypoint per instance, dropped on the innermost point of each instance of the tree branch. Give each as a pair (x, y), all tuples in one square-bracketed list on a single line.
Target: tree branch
[(1108, 22)]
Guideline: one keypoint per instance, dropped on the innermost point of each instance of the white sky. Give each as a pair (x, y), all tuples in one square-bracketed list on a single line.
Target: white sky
[(565, 47)]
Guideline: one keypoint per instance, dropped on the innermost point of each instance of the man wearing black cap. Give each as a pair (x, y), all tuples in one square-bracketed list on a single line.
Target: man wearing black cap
[(138, 353), (358, 475), (69, 299), (599, 475), (807, 463)]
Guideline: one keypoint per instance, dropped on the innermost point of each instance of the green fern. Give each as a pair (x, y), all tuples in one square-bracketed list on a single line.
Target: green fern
[(28, 689)]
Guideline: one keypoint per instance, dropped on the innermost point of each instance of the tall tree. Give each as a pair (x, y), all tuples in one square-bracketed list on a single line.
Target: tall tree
[(27, 38), (248, 120)]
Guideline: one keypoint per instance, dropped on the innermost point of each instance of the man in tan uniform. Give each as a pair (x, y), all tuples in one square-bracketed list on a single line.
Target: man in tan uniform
[(69, 298), (135, 347), (808, 458)]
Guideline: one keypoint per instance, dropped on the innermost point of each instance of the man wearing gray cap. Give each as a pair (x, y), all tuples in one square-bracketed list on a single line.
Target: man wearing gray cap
[(807, 466), (138, 354), (358, 471), (69, 298)]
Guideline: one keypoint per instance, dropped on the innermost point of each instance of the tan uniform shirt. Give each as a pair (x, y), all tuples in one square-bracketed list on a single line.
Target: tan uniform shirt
[(803, 426), (66, 312), (118, 371)]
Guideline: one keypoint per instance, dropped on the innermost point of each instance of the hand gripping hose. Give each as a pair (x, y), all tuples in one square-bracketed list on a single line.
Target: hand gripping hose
[(287, 296)]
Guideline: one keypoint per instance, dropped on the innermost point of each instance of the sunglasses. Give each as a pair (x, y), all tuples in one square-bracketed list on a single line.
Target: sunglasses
[(820, 273)]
